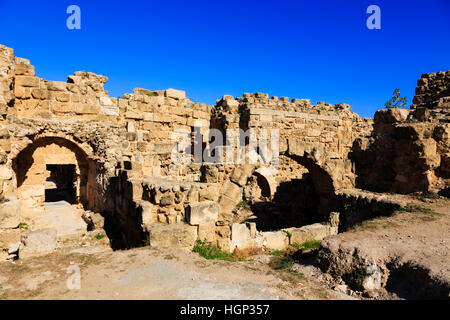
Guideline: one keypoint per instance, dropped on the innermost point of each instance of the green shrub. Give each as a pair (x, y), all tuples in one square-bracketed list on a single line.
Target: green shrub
[(99, 236), (244, 204), (310, 245), (396, 101), (288, 234), (413, 208), (281, 262), (210, 251), (23, 225), (277, 253), (429, 195)]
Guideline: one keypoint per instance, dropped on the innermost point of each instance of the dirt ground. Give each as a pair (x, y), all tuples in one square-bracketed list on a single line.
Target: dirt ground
[(148, 273), (411, 247), (156, 273)]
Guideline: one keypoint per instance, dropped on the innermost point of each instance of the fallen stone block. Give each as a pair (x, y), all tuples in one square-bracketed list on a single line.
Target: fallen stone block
[(177, 235), (8, 237), (275, 240), (202, 213), (38, 243), (9, 214), (311, 232), (241, 174), (13, 248)]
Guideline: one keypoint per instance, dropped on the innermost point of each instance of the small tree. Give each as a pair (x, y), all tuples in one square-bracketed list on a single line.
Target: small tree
[(396, 101)]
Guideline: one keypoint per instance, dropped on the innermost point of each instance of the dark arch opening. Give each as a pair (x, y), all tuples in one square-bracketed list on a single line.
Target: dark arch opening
[(65, 173), (298, 200)]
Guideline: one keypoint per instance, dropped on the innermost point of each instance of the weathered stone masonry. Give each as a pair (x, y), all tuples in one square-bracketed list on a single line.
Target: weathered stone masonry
[(118, 151)]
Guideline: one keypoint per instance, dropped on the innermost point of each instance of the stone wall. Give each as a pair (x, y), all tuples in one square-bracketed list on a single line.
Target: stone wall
[(408, 150), (122, 149), (432, 96)]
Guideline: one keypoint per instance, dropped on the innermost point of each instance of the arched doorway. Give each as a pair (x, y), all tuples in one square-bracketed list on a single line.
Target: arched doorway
[(51, 169), (300, 193)]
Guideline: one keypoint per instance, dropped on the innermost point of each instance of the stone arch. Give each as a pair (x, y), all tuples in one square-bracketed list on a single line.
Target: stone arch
[(266, 181), (317, 164), (47, 161)]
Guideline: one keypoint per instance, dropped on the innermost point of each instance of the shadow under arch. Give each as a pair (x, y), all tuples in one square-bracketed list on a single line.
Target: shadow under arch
[(298, 201), (323, 183)]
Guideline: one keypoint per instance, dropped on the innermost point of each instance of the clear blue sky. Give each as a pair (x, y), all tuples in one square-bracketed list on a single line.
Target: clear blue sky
[(319, 50)]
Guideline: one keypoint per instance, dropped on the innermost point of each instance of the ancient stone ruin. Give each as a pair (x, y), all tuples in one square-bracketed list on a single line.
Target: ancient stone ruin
[(71, 154)]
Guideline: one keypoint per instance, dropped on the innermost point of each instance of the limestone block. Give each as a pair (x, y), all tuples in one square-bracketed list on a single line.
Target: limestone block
[(207, 232), (32, 191), (391, 115), (177, 235), (227, 97), (40, 94), (27, 81), (38, 242), (110, 110), (131, 126), (164, 148), (202, 213), (134, 114), (5, 173), (56, 85), (265, 118), (14, 247), (175, 94), (334, 222), (311, 232), (226, 206), (224, 244), (193, 196), (232, 191), (240, 232), (211, 174), (19, 92), (9, 214), (210, 193), (269, 175), (252, 227), (60, 96), (23, 69), (106, 101), (373, 280), (246, 244), (275, 240), (8, 237), (231, 103), (167, 199), (241, 174), (442, 133)]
